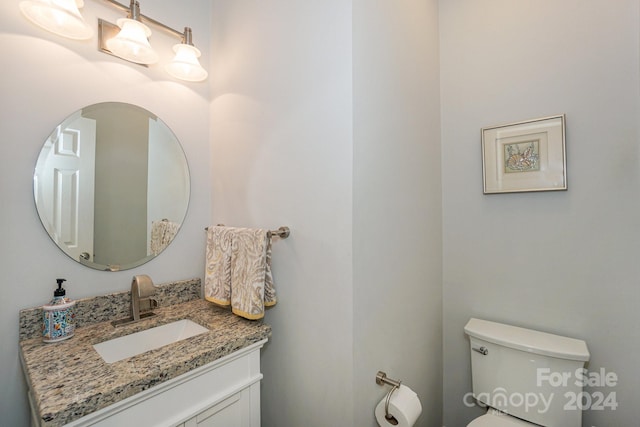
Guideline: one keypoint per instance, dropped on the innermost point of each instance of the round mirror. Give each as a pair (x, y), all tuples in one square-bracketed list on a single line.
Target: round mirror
[(111, 186)]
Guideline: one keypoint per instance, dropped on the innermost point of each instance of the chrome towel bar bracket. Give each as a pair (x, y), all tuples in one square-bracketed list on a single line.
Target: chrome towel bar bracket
[(282, 232)]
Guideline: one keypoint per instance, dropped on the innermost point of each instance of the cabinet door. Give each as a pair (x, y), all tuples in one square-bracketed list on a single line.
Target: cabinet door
[(231, 412)]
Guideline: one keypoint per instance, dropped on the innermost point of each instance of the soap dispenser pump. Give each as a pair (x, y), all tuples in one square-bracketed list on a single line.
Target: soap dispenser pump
[(59, 321)]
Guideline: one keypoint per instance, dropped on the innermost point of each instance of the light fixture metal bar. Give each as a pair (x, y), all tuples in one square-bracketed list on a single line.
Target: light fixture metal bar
[(144, 18)]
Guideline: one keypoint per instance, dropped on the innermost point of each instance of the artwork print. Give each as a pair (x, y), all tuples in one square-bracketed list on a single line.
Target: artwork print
[(522, 156)]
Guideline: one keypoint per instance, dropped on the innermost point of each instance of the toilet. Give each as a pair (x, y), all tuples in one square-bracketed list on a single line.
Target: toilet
[(524, 377)]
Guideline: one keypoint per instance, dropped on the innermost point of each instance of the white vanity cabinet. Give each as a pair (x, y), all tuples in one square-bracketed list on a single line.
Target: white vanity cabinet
[(234, 411), (223, 393)]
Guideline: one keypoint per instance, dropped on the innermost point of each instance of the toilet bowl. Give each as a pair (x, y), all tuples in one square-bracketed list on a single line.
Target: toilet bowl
[(510, 366)]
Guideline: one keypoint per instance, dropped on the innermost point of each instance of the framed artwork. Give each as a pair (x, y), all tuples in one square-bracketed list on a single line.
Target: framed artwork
[(525, 156)]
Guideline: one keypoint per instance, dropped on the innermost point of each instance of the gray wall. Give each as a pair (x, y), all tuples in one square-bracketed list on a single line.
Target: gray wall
[(397, 204), (122, 153), (563, 262)]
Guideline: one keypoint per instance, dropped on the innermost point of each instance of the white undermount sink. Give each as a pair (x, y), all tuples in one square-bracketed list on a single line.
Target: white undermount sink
[(133, 344)]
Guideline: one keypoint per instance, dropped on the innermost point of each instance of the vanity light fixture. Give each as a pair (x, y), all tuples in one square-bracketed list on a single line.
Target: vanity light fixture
[(185, 65), (131, 43), (61, 17), (128, 40)]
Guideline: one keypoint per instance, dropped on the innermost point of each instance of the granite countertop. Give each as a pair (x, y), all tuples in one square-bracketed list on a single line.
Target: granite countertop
[(68, 379)]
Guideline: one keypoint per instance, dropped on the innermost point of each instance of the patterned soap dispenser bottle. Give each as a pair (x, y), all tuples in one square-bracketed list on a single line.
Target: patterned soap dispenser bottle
[(59, 321)]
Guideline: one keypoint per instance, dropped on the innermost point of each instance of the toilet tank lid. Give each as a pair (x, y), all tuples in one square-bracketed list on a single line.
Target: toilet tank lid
[(528, 340)]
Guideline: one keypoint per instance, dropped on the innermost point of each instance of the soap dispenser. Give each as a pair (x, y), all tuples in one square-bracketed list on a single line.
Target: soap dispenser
[(59, 321)]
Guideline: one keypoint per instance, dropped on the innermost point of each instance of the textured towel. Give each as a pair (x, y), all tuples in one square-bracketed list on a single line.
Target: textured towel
[(238, 270), (217, 279), (162, 233)]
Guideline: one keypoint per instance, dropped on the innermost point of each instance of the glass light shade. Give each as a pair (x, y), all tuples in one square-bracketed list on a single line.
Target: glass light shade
[(185, 65), (61, 17), (131, 42)]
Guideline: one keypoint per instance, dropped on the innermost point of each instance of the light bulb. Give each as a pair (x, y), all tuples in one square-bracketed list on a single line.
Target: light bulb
[(61, 17), (131, 43), (185, 65)]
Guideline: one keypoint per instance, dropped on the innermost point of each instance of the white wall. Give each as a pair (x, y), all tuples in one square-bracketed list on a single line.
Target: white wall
[(282, 155), (397, 204), (292, 124), (564, 262), (44, 79)]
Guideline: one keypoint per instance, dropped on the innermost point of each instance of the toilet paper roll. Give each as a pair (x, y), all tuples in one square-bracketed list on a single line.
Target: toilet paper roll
[(404, 406)]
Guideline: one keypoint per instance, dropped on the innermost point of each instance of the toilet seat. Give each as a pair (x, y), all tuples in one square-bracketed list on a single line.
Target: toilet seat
[(494, 418)]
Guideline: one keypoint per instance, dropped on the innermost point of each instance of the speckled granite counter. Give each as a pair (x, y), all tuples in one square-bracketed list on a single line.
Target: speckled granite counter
[(69, 379)]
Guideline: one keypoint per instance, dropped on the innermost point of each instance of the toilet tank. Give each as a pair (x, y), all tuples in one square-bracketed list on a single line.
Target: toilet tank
[(529, 374)]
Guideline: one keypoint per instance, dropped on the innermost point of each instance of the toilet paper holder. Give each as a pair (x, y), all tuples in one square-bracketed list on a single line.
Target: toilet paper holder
[(381, 378)]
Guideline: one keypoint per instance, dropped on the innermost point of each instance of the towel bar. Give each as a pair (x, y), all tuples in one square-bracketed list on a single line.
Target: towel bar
[(282, 232)]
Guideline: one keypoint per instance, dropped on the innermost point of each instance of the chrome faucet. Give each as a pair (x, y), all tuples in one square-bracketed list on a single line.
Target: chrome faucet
[(142, 289), (142, 303)]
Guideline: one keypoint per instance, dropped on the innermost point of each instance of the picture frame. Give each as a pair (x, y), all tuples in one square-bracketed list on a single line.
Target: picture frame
[(525, 156)]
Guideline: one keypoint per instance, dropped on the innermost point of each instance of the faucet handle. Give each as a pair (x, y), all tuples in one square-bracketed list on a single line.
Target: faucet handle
[(148, 304)]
